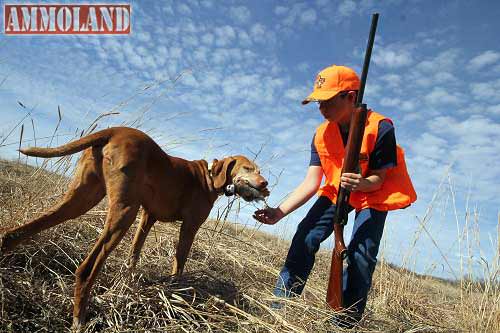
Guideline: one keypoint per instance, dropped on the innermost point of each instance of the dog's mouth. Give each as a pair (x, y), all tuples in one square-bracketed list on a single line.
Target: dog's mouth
[(249, 192)]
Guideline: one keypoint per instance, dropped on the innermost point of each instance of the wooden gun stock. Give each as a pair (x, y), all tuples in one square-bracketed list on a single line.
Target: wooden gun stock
[(351, 162), (334, 292), (350, 165)]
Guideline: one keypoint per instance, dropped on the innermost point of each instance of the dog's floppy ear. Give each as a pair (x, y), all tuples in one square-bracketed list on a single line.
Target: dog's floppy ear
[(220, 171)]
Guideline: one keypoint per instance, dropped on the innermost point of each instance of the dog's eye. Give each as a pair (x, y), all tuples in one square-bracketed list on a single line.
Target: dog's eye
[(246, 168)]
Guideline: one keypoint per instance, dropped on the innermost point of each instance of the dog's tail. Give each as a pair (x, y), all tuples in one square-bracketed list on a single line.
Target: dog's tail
[(96, 139)]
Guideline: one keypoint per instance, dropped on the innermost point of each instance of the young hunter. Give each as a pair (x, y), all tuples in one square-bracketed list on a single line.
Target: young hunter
[(381, 185)]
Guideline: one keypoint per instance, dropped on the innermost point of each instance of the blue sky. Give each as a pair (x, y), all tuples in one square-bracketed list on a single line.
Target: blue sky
[(242, 68)]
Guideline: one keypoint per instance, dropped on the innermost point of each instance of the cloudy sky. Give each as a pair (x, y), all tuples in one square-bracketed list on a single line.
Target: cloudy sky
[(207, 79)]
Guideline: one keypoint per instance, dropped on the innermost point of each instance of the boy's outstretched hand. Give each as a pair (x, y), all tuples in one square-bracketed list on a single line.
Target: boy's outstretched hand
[(268, 215)]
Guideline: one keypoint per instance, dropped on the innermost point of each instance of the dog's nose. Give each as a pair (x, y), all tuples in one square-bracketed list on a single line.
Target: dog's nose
[(263, 184)]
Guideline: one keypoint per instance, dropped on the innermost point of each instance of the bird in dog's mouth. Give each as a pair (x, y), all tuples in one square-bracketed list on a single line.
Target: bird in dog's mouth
[(250, 192)]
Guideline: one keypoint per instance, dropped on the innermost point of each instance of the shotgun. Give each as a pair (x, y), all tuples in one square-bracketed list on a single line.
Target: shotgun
[(351, 165)]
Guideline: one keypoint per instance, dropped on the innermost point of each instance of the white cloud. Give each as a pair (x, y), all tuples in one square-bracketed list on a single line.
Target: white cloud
[(193, 3), (437, 37), (398, 104), (298, 14), (296, 94), (308, 17), (244, 38), (224, 35), (132, 56), (441, 96), (190, 27), (285, 135), (167, 9), (250, 87), (200, 54), (175, 52), (471, 144), (494, 109), (240, 14), (371, 91), (208, 38), (162, 51), (442, 77), (347, 8), (291, 15), (408, 105), (420, 79), (486, 58), (239, 56), (303, 67), (207, 3), (392, 79), (280, 10), (189, 80), (144, 36), (428, 79), (476, 129), (430, 146), (385, 101), (447, 60), (184, 9), (189, 41), (392, 56), (486, 90), (150, 62), (259, 34)]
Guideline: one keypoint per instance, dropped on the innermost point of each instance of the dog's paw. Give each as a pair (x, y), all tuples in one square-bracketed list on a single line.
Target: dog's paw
[(131, 263), (77, 327)]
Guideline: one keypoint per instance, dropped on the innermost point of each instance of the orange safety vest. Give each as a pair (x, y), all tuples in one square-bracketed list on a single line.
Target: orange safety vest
[(396, 191)]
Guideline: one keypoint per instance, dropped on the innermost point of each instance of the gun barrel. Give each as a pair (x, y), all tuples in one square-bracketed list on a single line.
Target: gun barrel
[(368, 54)]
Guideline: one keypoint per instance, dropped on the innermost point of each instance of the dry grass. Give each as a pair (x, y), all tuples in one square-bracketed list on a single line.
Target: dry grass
[(227, 286)]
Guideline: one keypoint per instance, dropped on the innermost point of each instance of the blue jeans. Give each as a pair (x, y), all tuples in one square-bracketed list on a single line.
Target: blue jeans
[(361, 253)]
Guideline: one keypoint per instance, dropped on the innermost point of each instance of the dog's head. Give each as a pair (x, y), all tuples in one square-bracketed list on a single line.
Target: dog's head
[(243, 174)]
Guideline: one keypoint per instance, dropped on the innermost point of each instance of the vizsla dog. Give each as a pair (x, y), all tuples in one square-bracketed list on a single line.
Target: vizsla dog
[(132, 170)]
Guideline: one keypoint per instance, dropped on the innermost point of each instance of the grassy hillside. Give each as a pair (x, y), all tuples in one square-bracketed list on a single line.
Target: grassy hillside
[(227, 286)]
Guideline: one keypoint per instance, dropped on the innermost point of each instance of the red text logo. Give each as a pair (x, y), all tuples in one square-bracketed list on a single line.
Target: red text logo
[(66, 19)]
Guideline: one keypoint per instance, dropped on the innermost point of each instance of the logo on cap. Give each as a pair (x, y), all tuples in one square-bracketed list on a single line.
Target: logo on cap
[(319, 81)]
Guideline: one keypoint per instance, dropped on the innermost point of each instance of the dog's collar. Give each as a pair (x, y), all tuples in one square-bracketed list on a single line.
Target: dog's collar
[(228, 190)]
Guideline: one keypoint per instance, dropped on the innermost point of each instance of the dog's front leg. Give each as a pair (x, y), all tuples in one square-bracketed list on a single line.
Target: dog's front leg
[(186, 238), (192, 220)]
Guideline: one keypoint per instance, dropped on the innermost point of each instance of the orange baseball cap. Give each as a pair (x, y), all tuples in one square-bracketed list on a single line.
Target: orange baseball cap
[(332, 80)]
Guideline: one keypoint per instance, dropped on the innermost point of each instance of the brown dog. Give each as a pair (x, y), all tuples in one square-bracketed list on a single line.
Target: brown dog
[(132, 170)]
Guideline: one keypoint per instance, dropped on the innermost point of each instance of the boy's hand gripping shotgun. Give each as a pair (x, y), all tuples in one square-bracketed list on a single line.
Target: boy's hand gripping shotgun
[(351, 163)]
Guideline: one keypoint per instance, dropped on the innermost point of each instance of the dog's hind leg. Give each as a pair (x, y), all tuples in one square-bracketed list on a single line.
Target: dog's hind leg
[(120, 216), (84, 192), (123, 182), (143, 229)]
